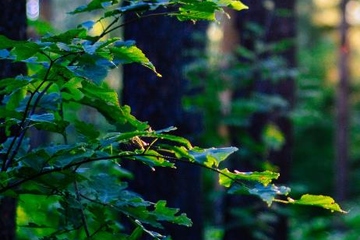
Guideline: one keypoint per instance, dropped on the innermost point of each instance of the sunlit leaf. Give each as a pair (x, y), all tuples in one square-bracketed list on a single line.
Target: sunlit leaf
[(234, 4), (164, 213), (273, 137), (318, 201), (227, 178), (191, 10), (124, 54)]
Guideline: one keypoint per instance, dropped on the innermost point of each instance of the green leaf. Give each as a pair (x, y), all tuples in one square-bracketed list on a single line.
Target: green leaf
[(8, 43), (25, 51), (211, 157), (50, 101), (86, 129), (273, 137), (163, 213), (35, 159), (227, 178), (13, 100), (66, 37), (8, 85), (71, 89), (92, 72), (136, 234), (153, 234), (107, 189), (56, 126), (195, 10), (94, 5), (268, 193), (106, 101), (124, 54), (133, 7), (153, 159), (318, 201), (234, 4)]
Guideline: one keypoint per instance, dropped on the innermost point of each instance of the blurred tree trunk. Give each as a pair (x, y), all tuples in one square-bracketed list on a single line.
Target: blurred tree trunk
[(342, 111), (12, 25), (158, 101), (277, 19)]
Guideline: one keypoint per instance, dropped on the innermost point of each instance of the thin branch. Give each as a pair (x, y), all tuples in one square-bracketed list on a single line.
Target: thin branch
[(108, 27), (57, 169), (22, 127), (83, 217), (98, 230), (108, 30), (128, 156)]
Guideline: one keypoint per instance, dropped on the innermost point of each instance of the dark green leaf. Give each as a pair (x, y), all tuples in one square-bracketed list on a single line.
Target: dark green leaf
[(56, 126), (107, 103), (8, 43), (66, 37), (136, 234), (211, 157), (50, 101), (9, 85), (94, 73), (13, 100), (25, 51), (131, 54), (86, 129), (163, 213), (94, 5)]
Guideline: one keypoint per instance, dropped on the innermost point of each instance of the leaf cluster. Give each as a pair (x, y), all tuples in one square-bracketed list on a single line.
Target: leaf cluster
[(83, 181)]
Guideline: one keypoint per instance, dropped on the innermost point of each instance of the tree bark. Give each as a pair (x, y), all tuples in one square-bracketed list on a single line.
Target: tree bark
[(342, 112), (276, 26), (12, 25), (158, 101)]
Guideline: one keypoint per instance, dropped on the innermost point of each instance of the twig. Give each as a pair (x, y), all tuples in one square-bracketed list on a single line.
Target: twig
[(83, 217)]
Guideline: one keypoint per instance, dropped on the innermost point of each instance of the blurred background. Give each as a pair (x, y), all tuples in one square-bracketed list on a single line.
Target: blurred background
[(280, 81)]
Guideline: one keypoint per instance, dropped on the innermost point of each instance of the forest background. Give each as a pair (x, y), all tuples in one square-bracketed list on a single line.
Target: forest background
[(229, 86)]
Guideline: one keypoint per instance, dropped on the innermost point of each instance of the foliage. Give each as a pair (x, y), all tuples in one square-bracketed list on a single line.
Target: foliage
[(78, 185), (237, 105)]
